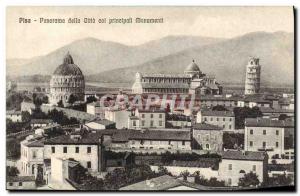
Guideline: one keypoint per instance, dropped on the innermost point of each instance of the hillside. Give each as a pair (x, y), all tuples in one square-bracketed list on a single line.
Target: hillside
[(93, 55), (226, 60)]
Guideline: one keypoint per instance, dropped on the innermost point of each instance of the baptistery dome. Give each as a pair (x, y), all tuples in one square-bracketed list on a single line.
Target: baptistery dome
[(67, 81)]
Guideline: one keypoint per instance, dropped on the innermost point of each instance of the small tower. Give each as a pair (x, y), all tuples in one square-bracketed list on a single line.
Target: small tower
[(252, 81)]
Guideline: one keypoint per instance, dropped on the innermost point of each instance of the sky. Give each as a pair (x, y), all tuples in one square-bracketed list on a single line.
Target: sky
[(27, 40)]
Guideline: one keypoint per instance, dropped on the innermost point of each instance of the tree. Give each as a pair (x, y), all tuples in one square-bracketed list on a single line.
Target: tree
[(45, 99), (242, 113), (72, 99), (249, 180), (60, 104), (282, 117), (26, 117), (219, 108), (12, 171), (232, 140), (91, 99), (185, 174), (279, 180), (163, 171)]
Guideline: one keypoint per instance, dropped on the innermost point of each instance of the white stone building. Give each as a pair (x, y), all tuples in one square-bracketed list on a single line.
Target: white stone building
[(147, 118), (14, 116), (67, 80), (269, 135), (223, 119), (32, 155), (252, 82), (235, 164), (193, 81)]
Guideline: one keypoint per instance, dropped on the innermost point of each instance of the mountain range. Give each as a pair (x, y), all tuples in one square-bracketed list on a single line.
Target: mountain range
[(103, 61)]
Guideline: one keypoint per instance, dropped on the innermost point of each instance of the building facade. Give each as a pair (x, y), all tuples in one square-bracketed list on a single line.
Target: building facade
[(66, 81), (147, 118), (193, 81), (208, 137), (235, 164), (269, 135), (252, 82), (223, 119)]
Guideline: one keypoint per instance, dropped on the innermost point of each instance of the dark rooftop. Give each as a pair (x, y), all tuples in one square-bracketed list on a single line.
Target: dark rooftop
[(244, 155), (217, 113), (205, 126), (264, 122), (20, 178)]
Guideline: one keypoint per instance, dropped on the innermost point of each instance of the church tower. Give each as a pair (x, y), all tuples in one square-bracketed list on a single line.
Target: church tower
[(252, 82)]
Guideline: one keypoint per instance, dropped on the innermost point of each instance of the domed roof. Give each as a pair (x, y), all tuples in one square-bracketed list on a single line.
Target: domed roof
[(192, 67), (68, 67)]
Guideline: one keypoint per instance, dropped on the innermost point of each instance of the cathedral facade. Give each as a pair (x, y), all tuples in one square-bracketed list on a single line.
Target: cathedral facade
[(192, 81), (66, 81)]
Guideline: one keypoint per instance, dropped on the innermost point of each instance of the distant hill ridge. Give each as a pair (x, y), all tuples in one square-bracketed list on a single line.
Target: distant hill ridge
[(104, 61)]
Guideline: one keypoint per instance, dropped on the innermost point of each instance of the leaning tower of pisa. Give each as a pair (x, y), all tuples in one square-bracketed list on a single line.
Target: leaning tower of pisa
[(252, 82)]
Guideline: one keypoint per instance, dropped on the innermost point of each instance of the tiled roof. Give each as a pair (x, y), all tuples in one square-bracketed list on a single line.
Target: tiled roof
[(217, 113), (165, 85), (264, 122), (152, 110), (13, 112), (38, 143), (41, 121), (205, 126), (160, 183), (244, 155), (20, 178), (271, 110), (104, 122), (119, 135)]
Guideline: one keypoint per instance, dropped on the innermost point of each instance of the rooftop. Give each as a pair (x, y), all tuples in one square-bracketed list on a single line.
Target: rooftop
[(160, 183), (20, 178), (119, 135), (41, 121), (164, 85), (265, 122), (244, 155), (104, 122), (205, 126)]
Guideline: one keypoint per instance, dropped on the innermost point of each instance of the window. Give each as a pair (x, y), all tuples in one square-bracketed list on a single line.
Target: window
[(217, 119), (20, 183), (160, 115), (223, 126), (230, 167), (277, 144), (143, 115), (65, 150), (53, 149), (34, 154), (169, 142), (207, 146), (76, 149), (251, 131), (223, 119), (10, 184), (264, 144), (229, 181), (143, 123), (229, 126), (264, 132), (277, 132), (183, 143), (151, 116), (254, 168), (89, 149), (211, 119), (160, 123), (151, 123), (134, 123), (205, 119), (88, 165), (251, 143), (230, 119)]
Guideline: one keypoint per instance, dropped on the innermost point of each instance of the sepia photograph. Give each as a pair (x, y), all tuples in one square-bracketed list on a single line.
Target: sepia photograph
[(150, 98)]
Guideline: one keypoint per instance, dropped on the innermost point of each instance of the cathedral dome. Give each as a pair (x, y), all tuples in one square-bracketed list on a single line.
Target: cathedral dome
[(68, 67), (193, 67)]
